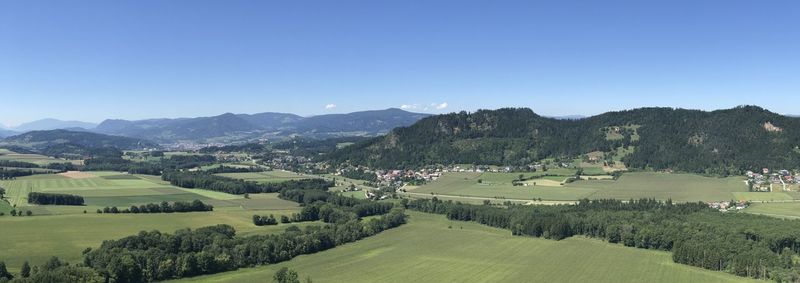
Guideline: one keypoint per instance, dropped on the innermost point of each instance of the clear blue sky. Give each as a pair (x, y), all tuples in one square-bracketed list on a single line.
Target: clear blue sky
[(91, 60)]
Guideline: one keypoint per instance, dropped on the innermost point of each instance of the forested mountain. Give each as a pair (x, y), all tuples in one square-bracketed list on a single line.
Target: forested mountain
[(6, 133), (52, 124), (55, 142), (369, 122), (238, 127), (719, 142)]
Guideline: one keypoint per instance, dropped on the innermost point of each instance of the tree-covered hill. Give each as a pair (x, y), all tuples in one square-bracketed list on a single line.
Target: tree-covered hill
[(718, 142), (58, 142)]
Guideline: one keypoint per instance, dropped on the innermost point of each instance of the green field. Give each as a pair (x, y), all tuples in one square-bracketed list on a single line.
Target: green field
[(64, 231), (266, 177), (37, 238), (122, 190), (426, 250), (33, 158), (776, 209), (678, 187)]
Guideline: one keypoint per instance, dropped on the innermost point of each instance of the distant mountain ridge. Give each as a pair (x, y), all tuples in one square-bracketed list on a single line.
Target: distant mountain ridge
[(52, 124), (230, 127), (57, 142), (6, 133), (718, 142)]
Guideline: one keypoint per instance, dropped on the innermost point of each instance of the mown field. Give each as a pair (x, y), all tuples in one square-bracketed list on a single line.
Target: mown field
[(431, 248), (663, 186)]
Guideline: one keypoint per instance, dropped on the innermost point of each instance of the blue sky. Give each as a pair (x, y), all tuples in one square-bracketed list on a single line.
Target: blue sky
[(91, 60)]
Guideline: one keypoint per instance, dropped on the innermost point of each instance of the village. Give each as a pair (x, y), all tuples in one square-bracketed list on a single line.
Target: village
[(772, 181)]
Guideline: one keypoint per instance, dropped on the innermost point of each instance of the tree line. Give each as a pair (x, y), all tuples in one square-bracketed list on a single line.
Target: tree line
[(54, 199), (207, 181), (738, 243), (163, 207)]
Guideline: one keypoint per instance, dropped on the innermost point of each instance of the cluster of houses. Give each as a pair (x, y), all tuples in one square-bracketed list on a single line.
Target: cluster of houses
[(725, 206), (769, 181)]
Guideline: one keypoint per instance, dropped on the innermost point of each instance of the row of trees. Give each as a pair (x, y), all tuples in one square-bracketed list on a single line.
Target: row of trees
[(8, 174), (156, 256), (232, 169), (163, 207), (738, 243), (259, 220), (207, 181), (53, 270), (55, 199)]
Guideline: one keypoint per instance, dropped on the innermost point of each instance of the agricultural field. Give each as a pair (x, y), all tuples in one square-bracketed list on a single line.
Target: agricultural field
[(276, 176), (65, 231), (777, 209), (431, 248), (663, 186), (33, 158), (678, 187)]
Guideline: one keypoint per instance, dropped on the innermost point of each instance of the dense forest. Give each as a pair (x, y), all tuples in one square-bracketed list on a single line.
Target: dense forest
[(55, 199), (204, 180), (738, 243), (720, 142)]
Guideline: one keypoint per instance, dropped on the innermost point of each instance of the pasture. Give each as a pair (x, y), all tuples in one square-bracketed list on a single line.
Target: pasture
[(499, 186), (431, 248), (276, 176), (776, 209), (662, 186)]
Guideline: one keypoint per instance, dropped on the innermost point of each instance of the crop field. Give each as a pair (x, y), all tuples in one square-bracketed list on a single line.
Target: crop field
[(663, 186), (266, 177), (431, 248)]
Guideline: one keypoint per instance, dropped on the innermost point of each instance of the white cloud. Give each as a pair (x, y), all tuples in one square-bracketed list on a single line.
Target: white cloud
[(330, 106), (440, 106), (409, 106)]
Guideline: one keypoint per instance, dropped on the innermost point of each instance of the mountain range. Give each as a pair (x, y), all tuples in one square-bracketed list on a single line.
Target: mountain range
[(61, 142), (718, 142), (229, 127)]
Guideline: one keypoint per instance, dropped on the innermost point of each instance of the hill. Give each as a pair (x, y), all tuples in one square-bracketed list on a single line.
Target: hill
[(52, 124), (60, 142), (719, 142), (6, 133), (240, 127)]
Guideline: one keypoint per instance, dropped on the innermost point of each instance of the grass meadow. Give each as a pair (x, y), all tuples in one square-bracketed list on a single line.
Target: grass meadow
[(276, 176), (678, 187), (431, 248)]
